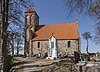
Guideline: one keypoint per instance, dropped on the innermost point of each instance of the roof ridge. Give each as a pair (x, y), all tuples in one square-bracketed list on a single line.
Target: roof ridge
[(59, 23)]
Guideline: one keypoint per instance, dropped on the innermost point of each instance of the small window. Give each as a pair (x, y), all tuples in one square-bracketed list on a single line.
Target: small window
[(52, 44), (38, 44), (69, 44)]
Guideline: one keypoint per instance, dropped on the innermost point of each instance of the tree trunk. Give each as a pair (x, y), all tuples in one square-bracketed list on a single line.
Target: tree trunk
[(87, 47), (25, 47), (12, 45), (87, 50), (17, 49), (0, 31), (4, 34)]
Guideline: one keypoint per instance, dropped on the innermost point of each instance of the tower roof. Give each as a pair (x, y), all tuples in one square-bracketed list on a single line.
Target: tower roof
[(31, 10)]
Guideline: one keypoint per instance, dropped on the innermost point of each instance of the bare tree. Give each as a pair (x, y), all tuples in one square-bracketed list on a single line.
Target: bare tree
[(18, 42), (87, 36), (86, 7), (11, 11), (10, 42), (15, 41), (97, 36), (16, 10)]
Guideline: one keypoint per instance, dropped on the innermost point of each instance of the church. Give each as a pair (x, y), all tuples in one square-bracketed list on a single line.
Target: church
[(50, 39)]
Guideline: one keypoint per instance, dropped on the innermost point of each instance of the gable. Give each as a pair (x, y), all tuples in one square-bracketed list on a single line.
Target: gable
[(60, 31)]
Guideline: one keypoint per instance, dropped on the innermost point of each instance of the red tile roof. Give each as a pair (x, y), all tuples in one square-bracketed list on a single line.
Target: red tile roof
[(31, 10), (60, 31)]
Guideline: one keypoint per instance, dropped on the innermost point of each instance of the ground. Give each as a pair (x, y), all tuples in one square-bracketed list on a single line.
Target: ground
[(31, 64)]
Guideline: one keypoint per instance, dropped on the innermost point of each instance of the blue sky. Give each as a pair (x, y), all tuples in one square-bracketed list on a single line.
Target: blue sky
[(54, 12)]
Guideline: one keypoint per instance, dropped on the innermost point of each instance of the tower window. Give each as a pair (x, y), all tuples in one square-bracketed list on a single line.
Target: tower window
[(38, 44), (69, 44)]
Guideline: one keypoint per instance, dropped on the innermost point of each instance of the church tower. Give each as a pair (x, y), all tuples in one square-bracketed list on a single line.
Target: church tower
[(31, 22)]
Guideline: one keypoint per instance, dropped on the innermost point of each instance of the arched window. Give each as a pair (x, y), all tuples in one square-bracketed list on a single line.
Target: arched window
[(69, 44), (38, 45)]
